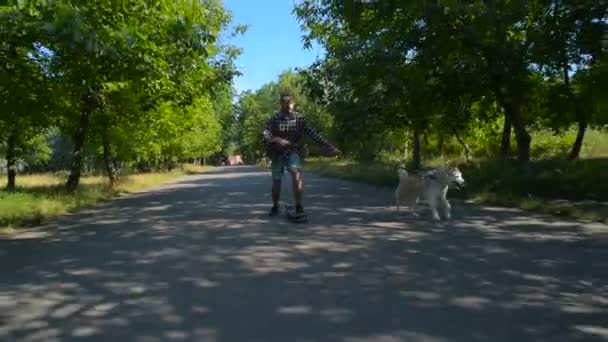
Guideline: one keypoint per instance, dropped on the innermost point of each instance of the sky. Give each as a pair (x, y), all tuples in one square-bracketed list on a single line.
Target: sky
[(271, 45)]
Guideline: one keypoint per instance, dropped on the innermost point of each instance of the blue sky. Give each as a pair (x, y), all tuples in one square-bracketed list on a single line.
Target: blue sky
[(272, 43)]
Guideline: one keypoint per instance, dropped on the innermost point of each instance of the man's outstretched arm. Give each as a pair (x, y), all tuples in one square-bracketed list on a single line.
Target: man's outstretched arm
[(317, 137)]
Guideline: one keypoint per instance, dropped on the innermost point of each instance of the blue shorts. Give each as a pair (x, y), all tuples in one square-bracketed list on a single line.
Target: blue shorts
[(278, 165)]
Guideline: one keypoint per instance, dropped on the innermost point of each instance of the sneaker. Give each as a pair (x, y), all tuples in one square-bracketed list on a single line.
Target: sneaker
[(274, 211)]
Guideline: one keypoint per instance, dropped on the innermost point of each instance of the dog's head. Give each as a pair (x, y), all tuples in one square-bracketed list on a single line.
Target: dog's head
[(454, 176), (446, 176)]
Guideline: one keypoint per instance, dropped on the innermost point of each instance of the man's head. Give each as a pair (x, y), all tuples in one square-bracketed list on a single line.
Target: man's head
[(287, 102)]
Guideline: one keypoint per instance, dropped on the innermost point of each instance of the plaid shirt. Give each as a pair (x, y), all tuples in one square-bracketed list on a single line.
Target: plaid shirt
[(292, 128)]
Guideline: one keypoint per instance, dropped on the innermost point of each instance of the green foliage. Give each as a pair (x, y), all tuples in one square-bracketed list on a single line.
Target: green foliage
[(201, 138), (426, 66), (135, 82)]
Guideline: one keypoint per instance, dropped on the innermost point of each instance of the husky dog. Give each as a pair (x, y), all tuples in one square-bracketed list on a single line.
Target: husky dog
[(431, 186)]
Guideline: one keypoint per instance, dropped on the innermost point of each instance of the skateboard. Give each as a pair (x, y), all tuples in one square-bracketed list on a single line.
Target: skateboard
[(292, 216)]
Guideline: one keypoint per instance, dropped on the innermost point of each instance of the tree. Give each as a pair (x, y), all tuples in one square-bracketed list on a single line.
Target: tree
[(167, 52), (490, 45), (568, 40), (25, 89)]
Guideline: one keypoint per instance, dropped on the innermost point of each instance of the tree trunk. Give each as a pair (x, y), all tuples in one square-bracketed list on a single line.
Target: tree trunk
[(521, 134), (108, 159), (580, 118), (578, 143), (522, 137), (11, 160), (468, 154), (505, 143), (441, 143), (417, 158), (79, 139), (407, 147)]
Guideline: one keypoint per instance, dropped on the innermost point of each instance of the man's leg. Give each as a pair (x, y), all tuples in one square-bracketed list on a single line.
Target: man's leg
[(277, 168), (298, 187), (298, 184), (276, 191)]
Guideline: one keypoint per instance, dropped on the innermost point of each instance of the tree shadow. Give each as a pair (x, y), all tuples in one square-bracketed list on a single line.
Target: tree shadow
[(199, 260)]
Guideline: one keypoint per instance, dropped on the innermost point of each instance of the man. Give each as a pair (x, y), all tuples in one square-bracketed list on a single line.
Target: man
[(282, 134)]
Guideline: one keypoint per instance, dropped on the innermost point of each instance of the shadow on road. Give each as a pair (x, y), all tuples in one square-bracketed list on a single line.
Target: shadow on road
[(200, 261)]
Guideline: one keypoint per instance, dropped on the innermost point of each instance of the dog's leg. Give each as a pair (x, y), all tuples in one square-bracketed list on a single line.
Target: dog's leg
[(433, 205), (414, 207), (397, 198), (448, 209), (446, 204)]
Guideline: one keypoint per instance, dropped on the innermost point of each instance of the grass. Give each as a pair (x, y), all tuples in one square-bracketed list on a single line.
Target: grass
[(577, 189), (41, 197), (376, 173), (546, 145), (574, 189), (583, 211)]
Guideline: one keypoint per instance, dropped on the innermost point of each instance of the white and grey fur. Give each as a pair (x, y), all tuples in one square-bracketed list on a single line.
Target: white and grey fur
[(431, 186)]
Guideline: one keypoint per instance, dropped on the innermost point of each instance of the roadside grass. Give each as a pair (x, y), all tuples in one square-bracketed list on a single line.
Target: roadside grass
[(40, 197)]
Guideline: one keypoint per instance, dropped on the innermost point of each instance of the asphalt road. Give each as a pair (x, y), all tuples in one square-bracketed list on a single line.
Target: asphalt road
[(200, 260)]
